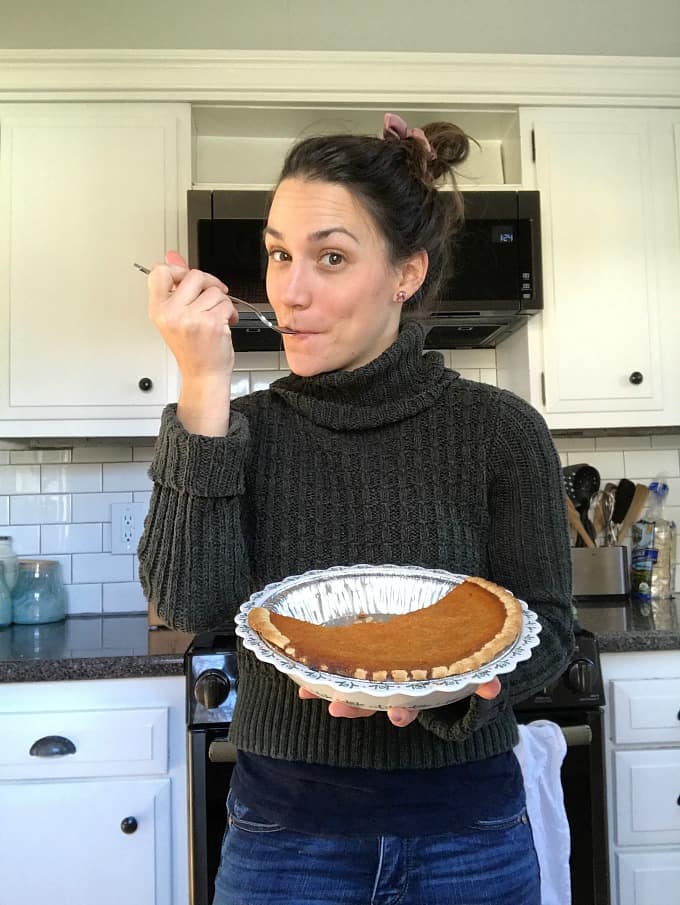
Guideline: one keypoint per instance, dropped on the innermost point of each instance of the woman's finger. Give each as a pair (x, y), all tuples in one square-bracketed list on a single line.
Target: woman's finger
[(400, 716), (489, 690), (339, 708)]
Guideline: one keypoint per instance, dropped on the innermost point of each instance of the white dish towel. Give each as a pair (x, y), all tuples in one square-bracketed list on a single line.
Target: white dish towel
[(540, 752)]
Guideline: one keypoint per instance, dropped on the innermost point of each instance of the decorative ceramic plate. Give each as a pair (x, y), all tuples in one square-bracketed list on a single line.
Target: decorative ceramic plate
[(337, 595)]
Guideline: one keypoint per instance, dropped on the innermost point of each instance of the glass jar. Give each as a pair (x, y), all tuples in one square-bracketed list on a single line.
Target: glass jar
[(9, 560), (5, 600), (39, 594)]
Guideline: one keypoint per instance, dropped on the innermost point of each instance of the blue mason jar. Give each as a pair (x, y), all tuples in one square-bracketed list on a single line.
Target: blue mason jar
[(5, 600), (39, 594)]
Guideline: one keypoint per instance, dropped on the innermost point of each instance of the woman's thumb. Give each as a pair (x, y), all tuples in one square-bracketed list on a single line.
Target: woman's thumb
[(174, 257)]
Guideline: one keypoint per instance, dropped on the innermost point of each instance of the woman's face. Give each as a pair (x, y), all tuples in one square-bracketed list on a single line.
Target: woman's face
[(328, 276)]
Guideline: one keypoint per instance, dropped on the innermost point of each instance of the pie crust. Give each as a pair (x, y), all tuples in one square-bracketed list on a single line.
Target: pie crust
[(464, 630)]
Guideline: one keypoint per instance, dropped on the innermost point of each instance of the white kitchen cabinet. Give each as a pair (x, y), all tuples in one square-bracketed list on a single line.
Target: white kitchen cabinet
[(106, 822), (86, 190), (642, 719), (604, 351)]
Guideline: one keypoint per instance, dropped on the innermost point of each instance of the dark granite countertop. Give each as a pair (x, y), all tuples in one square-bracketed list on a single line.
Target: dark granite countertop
[(122, 647)]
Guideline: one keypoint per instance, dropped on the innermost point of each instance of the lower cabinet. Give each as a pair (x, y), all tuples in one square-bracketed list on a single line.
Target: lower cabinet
[(643, 776), (93, 793)]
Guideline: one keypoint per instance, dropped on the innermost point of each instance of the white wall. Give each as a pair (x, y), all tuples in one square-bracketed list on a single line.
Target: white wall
[(617, 27)]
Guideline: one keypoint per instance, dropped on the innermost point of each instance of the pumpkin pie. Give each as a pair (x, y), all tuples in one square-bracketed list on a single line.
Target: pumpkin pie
[(464, 630)]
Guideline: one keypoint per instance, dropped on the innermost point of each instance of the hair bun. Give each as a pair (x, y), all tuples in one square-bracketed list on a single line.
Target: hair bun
[(451, 145)]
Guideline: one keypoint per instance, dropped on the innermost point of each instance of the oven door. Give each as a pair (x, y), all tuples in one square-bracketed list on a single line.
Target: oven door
[(585, 801), (211, 760)]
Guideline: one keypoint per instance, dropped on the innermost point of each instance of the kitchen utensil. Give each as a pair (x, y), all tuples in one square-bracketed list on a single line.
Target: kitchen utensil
[(598, 520), (339, 594), (581, 482), (635, 510), (600, 514), (577, 525), (623, 497), (259, 314)]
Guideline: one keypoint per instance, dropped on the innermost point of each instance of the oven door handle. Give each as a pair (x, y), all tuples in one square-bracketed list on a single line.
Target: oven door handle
[(220, 751), (577, 735)]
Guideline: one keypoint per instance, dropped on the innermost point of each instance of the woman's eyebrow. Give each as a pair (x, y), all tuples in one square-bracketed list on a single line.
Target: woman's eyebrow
[(312, 237)]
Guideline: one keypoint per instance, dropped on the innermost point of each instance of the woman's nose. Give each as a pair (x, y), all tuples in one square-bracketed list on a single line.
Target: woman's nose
[(296, 288)]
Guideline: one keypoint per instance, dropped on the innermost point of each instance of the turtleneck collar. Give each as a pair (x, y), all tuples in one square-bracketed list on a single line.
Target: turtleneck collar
[(398, 384)]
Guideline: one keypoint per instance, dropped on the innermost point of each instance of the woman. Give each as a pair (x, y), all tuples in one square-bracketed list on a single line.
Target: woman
[(368, 452)]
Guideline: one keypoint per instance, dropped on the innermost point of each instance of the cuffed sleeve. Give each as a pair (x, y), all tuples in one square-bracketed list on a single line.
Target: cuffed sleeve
[(457, 722)]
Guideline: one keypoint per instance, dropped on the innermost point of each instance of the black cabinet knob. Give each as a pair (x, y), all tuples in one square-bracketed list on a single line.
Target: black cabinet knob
[(129, 825), (145, 384), (211, 689), (636, 378), (52, 746)]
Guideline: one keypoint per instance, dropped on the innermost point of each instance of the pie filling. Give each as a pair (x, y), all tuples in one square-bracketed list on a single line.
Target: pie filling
[(466, 628)]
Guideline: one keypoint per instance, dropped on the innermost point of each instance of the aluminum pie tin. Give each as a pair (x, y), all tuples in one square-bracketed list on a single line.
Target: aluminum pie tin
[(338, 595)]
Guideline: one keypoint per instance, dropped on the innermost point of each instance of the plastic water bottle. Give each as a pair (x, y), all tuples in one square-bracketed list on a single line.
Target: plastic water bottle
[(653, 551)]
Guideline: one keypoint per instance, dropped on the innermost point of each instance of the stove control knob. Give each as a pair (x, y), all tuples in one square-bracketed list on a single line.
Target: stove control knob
[(581, 676), (211, 689)]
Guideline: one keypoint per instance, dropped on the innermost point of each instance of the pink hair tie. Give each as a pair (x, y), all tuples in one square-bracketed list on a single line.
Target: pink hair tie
[(395, 127)]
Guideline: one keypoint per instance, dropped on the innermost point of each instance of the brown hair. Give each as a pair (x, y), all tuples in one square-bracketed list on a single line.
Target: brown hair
[(395, 180)]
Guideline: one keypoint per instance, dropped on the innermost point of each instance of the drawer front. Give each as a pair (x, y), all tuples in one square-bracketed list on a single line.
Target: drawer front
[(646, 711), (106, 742), (648, 878), (647, 797)]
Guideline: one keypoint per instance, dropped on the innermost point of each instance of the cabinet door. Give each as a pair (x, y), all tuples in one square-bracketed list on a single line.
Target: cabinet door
[(648, 878), (594, 170), (647, 784), (86, 190), (62, 842)]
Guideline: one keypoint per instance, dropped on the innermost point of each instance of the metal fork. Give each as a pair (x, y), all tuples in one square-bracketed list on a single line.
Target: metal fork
[(259, 314)]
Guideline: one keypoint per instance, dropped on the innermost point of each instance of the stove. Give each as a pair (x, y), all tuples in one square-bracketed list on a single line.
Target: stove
[(574, 701)]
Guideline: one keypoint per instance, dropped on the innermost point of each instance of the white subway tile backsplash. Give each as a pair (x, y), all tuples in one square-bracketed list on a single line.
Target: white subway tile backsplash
[(20, 479), (84, 598), (240, 384), (79, 538), (142, 453), (469, 373), (260, 380), (666, 441), (610, 463), (124, 597), (568, 444), (488, 375), (658, 462), (4, 457), (70, 478), (95, 453), (96, 507), (4, 509), (606, 443), (106, 537), (142, 496), (473, 358), (40, 456), (256, 361), (25, 538), (101, 567), (40, 509), (129, 476)]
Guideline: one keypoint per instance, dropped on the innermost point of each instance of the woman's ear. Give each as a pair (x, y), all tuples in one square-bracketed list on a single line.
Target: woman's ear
[(412, 273)]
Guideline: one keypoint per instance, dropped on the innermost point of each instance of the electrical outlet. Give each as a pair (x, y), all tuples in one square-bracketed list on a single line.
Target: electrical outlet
[(127, 523)]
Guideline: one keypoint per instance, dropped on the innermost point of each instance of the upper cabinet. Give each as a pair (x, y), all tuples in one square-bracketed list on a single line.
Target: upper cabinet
[(86, 190), (604, 351)]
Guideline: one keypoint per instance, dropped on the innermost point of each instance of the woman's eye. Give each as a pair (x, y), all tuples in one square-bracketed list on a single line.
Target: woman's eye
[(278, 255), (332, 258)]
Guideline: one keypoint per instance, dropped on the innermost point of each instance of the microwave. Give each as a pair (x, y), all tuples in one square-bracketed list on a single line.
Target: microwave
[(495, 287)]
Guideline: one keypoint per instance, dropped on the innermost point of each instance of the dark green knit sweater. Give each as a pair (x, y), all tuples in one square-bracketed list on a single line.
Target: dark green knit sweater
[(401, 461)]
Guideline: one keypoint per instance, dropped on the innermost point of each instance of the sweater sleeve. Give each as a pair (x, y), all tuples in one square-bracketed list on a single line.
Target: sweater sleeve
[(193, 561), (528, 553)]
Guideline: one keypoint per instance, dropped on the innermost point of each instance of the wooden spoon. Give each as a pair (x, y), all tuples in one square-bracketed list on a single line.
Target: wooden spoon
[(635, 510), (576, 524)]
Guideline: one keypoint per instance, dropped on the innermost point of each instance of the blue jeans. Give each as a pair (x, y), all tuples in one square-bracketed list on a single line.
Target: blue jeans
[(492, 863)]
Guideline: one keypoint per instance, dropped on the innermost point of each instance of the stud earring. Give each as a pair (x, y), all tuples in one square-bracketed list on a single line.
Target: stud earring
[(401, 296)]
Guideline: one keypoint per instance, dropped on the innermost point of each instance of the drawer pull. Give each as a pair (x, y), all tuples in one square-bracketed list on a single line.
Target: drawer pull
[(52, 746), (129, 825)]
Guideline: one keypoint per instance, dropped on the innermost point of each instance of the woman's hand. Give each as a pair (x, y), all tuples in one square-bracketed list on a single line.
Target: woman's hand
[(398, 716), (192, 312)]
